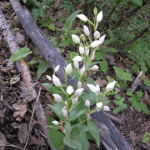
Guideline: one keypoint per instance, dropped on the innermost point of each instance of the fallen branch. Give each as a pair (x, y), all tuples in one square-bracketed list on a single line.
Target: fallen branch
[(110, 136), (22, 67)]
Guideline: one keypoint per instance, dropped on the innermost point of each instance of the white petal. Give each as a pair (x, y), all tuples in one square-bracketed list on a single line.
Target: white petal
[(110, 86), (68, 69), (75, 39), (87, 51), (49, 78), (57, 68), (86, 30), (74, 100), (99, 105), (70, 90), (102, 39), (106, 108), (77, 58), (55, 122), (81, 49), (79, 84), (78, 92), (56, 81), (93, 56), (87, 103), (82, 70), (96, 43), (95, 67), (92, 88), (99, 16), (64, 112), (97, 34), (82, 17), (76, 64), (57, 97)]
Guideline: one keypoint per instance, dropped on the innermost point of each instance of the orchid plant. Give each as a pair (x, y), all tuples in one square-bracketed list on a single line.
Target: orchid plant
[(74, 127)]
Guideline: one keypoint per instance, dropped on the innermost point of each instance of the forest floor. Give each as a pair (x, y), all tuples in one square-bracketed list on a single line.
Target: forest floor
[(14, 130)]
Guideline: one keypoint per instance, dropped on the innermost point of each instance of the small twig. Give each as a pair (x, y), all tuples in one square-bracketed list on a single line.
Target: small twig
[(135, 38), (30, 123), (11, 145)]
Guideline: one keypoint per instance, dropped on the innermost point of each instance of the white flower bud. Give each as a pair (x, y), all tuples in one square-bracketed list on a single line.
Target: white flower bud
[(96, 43), (76, 64), (57, 68), (106, 108), (55, 122), (79, 84), (81, 49), (82, 37), (68, 69), (97, 34), (99, 16), (87, 103), (70, 90), (57, 98), (74, 100), (56, 81), (75, 39), (110, 86), (82, 70), (86, 30), (49, 78), (87, 51), (99, 105), (78, 92), (95, 67), (82, 17), (93, 56), (92, 88), (101, 39), (64, 112), (97, 89), (77, 58)]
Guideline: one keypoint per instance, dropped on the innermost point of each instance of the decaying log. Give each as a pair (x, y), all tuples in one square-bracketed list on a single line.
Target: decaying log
[(23, 69), (110, 136)]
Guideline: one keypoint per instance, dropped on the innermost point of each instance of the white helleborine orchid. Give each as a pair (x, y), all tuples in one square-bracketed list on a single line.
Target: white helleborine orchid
[(77, 58), (56, 81), (94, 89), (49, 77), (70, 90), (82, 17), (76, 64), (106, 108), (99, 105), (64, 111), (87, 103), (87, 51), (95, 43), (97, 34), (82, 70), (86, 30), (74, 100), (99, 16), (55, 122), (95, 67), (101, 39), (57, 98), (81, 49), (79, 84), (110, 86), (68, 69), (57, 68), (78, 92), (93, 56), (75, 39)]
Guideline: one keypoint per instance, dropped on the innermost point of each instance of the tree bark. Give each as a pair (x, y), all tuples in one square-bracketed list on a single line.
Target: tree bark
[(110, 136)]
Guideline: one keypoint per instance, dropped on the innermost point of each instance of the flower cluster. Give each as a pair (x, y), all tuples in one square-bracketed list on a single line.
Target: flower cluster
[(70, 96)]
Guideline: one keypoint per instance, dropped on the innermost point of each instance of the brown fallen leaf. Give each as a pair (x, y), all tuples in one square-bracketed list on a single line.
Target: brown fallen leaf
[(23, 132), (145, 98), (21, 109), (36, 141), (101, 82), (136, 82)]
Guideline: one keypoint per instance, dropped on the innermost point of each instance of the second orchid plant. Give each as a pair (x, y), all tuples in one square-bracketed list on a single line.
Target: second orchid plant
[(74, 127)]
